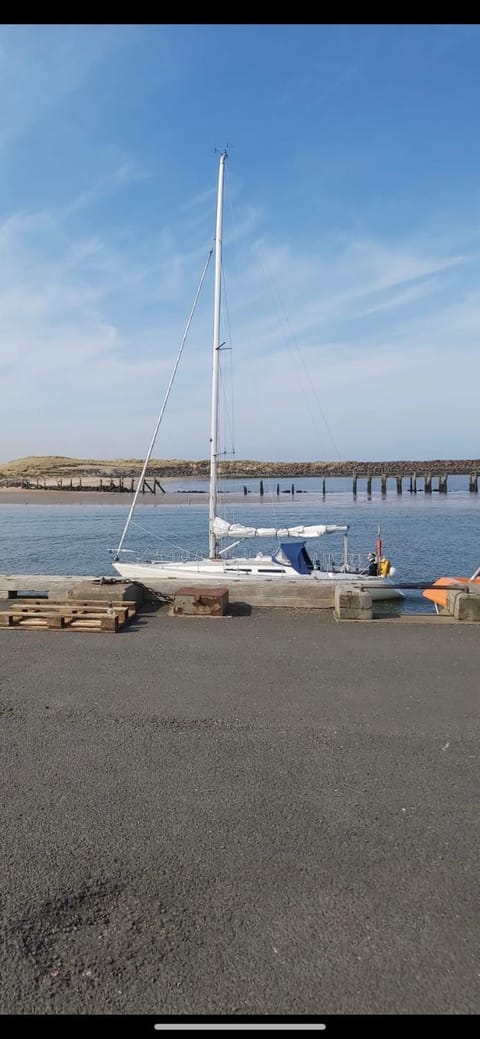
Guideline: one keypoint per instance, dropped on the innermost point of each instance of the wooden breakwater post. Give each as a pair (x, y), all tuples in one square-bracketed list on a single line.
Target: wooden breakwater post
[(324, 486), (399, 484), (427, 483), (383, 483), (443, 484), (369, 486), (473, 483), (354, 484), (151, 485)]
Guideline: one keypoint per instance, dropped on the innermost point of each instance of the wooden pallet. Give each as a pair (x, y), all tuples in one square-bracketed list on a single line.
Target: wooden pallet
[(66, 615)]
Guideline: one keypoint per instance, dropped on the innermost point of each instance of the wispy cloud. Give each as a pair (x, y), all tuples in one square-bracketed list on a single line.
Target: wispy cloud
[(347, 310), (128, 173), (56, 59), (67, 323), (406, 296)]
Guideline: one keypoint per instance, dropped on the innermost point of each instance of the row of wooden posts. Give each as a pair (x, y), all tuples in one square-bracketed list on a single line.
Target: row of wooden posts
[(427, 479), (128, 486), (117, 485)]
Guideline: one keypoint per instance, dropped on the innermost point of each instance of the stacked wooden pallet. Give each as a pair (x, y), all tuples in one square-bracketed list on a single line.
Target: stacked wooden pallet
[(66, 615)]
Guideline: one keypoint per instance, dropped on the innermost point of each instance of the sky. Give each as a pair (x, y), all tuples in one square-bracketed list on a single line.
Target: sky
[(351, 291)]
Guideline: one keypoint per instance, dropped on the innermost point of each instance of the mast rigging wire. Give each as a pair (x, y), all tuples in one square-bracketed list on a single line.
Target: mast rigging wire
[(164, 404)]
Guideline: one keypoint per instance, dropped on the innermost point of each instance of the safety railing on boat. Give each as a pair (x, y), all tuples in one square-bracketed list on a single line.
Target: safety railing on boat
[(327, 561)]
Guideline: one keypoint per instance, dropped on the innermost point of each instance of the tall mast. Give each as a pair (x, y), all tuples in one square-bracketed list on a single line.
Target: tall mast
[(212, 541)]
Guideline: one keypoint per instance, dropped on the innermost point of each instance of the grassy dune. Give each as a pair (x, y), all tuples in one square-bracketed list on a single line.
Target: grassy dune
[(60, 467), (57, 466)]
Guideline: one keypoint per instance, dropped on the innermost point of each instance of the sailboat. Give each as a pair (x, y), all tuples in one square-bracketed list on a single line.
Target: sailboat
[(290, 560)]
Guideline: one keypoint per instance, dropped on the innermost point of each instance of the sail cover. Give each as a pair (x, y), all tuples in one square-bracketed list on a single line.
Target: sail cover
[(222, 529), (294, 555)]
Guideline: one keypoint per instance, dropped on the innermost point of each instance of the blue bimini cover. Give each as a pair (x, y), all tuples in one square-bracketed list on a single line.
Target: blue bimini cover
[(294, 555)]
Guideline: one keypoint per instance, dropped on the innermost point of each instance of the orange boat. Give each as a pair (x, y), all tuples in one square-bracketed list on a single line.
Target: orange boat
[(439, 594)]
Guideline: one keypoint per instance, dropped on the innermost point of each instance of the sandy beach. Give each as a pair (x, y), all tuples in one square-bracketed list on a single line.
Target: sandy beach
[(19, 496), (14, 496)]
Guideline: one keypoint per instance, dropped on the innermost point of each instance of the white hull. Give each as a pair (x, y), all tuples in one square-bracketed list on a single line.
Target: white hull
[(242, 571)]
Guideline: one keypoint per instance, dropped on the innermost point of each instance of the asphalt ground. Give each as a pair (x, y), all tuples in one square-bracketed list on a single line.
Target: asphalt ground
[(257, 814)]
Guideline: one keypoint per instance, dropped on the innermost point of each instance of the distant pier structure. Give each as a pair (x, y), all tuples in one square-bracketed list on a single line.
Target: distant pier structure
[(398, 477), (427, 481)]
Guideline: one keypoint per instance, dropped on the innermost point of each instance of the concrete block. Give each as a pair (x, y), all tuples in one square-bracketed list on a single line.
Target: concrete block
[(451, 599), (466, 607), (352, 604), (101, 590), (12, 585)]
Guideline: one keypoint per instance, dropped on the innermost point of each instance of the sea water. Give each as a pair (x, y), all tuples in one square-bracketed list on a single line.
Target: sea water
[(425, 536)]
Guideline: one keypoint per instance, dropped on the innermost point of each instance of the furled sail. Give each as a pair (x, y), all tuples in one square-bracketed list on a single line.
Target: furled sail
[(222, 529)]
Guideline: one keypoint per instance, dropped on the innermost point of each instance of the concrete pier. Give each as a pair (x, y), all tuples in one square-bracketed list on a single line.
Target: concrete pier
[(348, 601), (291, 594)]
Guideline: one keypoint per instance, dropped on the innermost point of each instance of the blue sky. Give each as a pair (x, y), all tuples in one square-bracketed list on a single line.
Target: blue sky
[(352, 238)]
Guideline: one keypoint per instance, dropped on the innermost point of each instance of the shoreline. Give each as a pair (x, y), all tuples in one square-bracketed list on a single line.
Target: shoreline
[(14, 496), (187, 499)]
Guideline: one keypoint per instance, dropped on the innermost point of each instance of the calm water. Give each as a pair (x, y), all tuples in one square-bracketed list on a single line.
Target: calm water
[(424, 536)]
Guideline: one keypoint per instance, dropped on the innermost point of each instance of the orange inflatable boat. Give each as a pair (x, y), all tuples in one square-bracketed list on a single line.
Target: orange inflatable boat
[(439, 597)]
